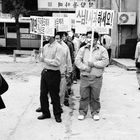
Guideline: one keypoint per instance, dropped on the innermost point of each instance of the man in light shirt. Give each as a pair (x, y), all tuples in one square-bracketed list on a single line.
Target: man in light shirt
[(50, 80), (66, 66), (91, 76), (106, 41), (137, 59)]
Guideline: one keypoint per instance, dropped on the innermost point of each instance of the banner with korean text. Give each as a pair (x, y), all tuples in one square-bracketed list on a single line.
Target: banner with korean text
[(65, 5), (42, 25), (86, 19)]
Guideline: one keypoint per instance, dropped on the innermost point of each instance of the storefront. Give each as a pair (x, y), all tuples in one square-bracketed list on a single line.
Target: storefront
[(8, 35)]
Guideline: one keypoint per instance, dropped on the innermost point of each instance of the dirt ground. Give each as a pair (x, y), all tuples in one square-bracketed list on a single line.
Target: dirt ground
[(120, 106)]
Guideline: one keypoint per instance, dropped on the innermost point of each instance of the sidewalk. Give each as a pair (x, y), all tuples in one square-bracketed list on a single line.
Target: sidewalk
[(4, 58), (119, 115), (128, 64)]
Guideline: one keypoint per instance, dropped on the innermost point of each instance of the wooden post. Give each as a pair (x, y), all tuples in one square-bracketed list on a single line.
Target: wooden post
[(41, 46), (91, 47), (14, 55)]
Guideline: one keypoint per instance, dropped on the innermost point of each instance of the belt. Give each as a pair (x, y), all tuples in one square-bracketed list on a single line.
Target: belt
[(91, 76), (49, 70), (63, 75), (85, 75)]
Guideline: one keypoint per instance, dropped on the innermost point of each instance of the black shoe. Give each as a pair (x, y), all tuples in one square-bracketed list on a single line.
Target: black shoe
[(61, 110), (44, 116), (58, 119), (66, 103), (139, 88), (39, 109)]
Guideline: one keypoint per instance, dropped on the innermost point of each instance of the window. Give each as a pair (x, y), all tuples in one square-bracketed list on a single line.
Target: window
[(2, 30)]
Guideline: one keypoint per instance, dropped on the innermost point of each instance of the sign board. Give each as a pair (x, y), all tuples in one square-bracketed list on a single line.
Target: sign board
[(49, 26), (5, 16), (42, 25), (96, 18), (27, 36), (127, 18), (24, 30), (9, 19), (71, 17), (62, 24), (65, 5)]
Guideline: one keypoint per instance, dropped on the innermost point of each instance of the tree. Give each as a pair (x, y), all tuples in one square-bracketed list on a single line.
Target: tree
[(16, 9)]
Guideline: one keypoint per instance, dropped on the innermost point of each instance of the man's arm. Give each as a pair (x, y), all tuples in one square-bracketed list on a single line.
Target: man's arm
[(79, 60), (57, 60), (103, 62), (68, 61)]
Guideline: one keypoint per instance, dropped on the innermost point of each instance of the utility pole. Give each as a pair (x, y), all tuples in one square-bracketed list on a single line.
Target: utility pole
[(119, 29), (138, 19)]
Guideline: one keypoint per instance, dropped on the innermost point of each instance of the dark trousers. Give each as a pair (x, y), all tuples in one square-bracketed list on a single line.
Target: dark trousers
[(2, 105), (3, 88), (109, 54), (3, 85), (50, 83), (76, 73)]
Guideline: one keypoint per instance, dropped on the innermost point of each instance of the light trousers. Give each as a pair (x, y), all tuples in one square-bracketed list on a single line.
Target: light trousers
[(90, 88), (62, 89)]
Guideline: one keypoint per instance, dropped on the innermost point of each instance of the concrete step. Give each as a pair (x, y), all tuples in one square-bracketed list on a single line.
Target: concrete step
[(128, 64)]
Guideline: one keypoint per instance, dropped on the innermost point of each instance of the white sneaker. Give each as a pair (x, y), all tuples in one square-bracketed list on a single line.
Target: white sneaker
[(75, 82), (96, 117), (81, 117)]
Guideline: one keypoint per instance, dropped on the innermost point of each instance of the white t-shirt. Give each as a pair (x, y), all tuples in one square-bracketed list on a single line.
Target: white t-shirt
[(108, 41)]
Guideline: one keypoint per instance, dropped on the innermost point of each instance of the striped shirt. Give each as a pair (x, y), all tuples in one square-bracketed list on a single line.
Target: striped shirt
[(52, 54)]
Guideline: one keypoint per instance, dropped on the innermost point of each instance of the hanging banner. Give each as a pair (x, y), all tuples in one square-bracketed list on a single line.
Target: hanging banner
[(65, 5), (62, 24), (42, 25), (88, 18)]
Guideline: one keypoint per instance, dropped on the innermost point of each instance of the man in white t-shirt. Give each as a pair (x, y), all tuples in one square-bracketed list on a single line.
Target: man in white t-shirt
[(106, 41)]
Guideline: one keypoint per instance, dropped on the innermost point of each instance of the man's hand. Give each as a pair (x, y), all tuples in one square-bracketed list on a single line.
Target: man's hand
[(41, 59), (68, 74), (88, 69), (90, 64)]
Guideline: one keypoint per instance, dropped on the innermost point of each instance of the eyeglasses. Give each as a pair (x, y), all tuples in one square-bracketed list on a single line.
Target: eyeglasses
[(57, 38)]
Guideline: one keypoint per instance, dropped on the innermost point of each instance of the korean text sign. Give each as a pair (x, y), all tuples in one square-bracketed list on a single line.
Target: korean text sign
[(87, 18), (42, 25), (62, 24)]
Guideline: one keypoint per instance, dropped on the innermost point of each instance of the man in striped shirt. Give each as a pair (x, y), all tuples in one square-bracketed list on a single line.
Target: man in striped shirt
[(50, 80)]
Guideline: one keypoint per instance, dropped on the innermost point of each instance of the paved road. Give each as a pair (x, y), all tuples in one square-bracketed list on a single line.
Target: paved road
[(120, 113)]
